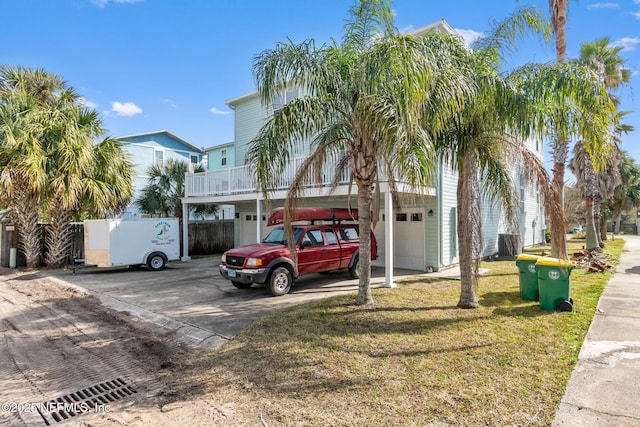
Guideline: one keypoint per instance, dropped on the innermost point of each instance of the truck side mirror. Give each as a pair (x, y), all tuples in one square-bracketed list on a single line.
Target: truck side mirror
[(305, 243)]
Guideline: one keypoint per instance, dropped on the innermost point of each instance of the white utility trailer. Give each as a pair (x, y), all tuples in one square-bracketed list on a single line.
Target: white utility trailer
[(118, 242)]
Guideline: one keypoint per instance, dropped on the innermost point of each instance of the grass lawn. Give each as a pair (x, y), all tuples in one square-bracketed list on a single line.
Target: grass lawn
[(414, 359)]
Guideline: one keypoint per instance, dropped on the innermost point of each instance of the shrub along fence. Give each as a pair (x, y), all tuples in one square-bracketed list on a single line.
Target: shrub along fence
[(205, 238)]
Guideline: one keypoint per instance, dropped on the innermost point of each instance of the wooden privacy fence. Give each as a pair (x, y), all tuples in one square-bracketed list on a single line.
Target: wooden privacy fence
[(205, 238)]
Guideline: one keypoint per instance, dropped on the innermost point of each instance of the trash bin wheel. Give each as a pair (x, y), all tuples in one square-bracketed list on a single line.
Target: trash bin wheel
[(565, 306), (571, 301)]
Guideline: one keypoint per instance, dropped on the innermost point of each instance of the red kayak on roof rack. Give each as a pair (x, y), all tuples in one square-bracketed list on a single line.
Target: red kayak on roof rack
[(276, 216)]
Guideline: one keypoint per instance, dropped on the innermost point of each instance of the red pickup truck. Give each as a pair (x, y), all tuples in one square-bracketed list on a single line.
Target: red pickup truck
[(320, 248)]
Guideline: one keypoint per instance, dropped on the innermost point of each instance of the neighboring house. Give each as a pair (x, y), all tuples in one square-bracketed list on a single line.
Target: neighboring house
[(146, 149), (419, 234), (221, 158)]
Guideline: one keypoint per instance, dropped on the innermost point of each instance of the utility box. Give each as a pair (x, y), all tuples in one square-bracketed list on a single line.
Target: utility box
[(117, 242)]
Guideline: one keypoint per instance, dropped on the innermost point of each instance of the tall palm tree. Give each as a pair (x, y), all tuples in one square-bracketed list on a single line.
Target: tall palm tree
[(586, 177), (49, 160), (560, 143), (575, 105), (372, 101), (28, 99), (607, 63), (484, 140)]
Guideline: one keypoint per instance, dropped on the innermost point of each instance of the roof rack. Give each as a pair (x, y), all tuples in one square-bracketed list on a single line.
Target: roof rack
[(336, 215)]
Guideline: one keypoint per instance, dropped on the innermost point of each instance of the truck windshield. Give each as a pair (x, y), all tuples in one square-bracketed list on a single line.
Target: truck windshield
[(278, 235)]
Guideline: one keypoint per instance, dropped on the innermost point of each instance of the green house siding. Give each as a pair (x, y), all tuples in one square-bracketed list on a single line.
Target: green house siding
[(215, 157), (249, 118), (448, 211)]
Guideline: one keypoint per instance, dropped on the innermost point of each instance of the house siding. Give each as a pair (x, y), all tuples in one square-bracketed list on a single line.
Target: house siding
[(249, 118), (214, 157), (449, 216)]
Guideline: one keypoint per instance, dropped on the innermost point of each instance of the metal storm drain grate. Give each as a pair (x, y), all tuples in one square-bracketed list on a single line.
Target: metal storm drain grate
[(95, 398)]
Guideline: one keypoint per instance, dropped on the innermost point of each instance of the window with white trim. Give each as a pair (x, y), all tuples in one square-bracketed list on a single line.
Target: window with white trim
[(158, 157), (223, 157), (283, 99)]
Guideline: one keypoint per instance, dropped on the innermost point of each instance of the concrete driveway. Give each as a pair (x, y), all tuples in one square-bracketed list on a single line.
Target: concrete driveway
[(193, 301)]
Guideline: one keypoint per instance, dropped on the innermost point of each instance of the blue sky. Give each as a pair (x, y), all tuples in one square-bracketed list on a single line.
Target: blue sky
[(150, 65)]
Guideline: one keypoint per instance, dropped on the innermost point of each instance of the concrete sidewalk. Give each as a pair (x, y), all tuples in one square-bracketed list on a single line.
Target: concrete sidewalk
[(604, 388)]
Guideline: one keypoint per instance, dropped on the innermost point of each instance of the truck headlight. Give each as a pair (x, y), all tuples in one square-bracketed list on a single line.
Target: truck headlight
[(254, 262), (224, 258)]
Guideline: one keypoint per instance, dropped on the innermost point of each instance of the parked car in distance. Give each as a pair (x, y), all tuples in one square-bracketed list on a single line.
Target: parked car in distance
[(320, 248)]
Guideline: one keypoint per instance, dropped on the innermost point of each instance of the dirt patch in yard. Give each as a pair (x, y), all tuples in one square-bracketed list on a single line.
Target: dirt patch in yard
[(59, 340)]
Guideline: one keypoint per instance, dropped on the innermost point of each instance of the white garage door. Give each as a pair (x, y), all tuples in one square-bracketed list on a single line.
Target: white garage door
[(408, 242), (248, 227)]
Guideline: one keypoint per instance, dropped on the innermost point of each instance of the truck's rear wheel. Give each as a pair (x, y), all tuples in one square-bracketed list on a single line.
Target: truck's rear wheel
[(156, 262), (354, 270), (241, 285), (280, 281)]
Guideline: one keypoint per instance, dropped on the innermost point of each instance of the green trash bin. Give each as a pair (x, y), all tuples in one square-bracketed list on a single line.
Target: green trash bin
[(528, 276), (554, 283)]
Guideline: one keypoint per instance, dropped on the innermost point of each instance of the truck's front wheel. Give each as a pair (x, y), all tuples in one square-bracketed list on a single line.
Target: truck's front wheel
[(354, 270), (280, 281)]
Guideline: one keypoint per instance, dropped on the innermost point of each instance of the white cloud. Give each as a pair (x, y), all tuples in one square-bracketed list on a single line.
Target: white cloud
[(637, 15), (627, 43), (125, 108), (86, 103), (469, 36), (603, 6), (215, 111), (103, 3)]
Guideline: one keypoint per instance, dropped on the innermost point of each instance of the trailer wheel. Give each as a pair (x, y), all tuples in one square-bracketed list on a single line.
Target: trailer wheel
[(156, 262), (280, 281)]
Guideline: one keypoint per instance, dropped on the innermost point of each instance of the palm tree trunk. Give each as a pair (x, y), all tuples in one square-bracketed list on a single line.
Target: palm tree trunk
[(591, 234), (557, 221), (364, 220), (603, 228), (58, 237), (469, 230), (616, 224), (596, 219), (560, 148), (29, 234)]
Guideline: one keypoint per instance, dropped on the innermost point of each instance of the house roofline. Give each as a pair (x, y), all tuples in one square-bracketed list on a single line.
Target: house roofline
[(226, 144), (441, 24), (165, 132), (233, 101)]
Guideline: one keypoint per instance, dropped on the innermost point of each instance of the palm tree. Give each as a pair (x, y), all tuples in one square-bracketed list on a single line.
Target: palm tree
[(626, 194), (372, 101), (484, 140), (575, 104), (28, 100), (49, 160), (108, 186), (582, 167), (559, 143), (70, 137), (165, 191), (606, 62)]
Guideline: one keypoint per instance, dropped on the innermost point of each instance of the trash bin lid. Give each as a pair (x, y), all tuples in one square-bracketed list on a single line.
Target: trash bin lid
[(528, 257), (554, 262)]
